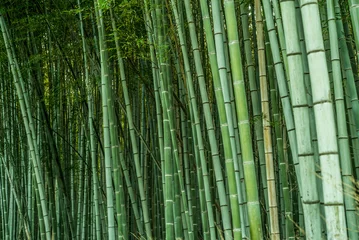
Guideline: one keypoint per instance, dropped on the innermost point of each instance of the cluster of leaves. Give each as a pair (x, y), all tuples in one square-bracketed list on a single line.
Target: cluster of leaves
[(54, 27), (131, 29)]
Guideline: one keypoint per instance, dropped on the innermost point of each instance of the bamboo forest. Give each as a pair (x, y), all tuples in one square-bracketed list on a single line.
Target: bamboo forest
[(179, 119)]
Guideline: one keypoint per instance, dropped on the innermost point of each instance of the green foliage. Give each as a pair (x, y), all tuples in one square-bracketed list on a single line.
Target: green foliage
[(131, 29), (104, 4)]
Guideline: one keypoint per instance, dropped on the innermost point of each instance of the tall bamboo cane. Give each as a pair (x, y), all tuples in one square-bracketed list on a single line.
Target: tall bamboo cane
[(324, 120)]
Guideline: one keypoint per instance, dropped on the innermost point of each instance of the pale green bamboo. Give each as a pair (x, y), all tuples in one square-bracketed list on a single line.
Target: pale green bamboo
[(310, 197), (311, 112), (168, 169), (115, 151), (105, 95), (324, 120)]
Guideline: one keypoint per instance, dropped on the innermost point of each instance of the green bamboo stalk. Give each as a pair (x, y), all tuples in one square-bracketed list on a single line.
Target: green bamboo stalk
[(32, 144), (281, 35), (283, 91), (91, 127), (343, 139), (167, 102), (324, 120), (106, 117), (351, 91), (15, 194), (310, 198), (288, 221), (207, 113), (198, 131), (349, 72), (81, 180), (223, 118), (354, 14), (268, 148), (129, 115)]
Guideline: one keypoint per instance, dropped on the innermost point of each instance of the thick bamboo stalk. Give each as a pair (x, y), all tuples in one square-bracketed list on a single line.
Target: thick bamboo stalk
[(310, 198), (324, 120)]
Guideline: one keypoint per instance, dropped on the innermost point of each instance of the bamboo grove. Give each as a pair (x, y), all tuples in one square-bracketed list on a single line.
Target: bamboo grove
[(179, 119)]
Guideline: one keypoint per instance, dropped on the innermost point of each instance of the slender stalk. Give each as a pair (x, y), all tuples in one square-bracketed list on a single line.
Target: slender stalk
[(268, 148)]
